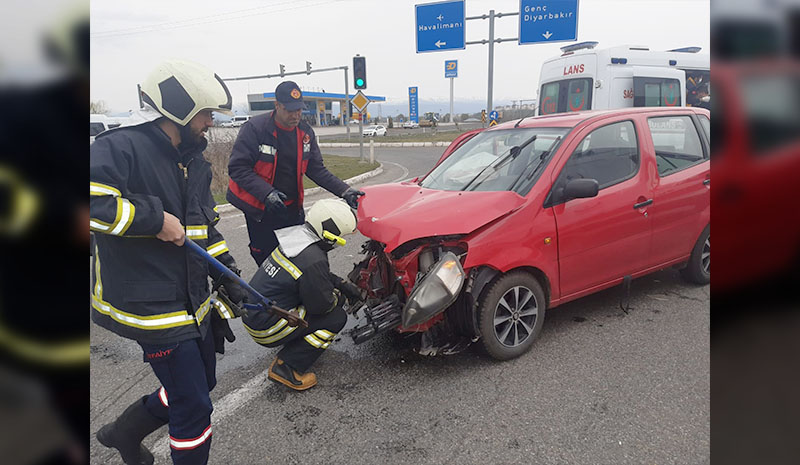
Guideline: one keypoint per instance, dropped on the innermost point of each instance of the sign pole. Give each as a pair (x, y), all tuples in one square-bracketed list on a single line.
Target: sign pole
[(452, 119), (491, 60), (346, 111), (361, 136)]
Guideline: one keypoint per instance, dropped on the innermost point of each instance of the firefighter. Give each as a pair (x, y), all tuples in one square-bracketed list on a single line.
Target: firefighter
[(270, 156), (149, 192), (296, 275)]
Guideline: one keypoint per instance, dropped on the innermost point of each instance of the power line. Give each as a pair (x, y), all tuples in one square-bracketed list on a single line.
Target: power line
[(239, 14)]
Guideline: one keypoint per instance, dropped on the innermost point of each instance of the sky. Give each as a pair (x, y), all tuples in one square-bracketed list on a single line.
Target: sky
[(244, 38)]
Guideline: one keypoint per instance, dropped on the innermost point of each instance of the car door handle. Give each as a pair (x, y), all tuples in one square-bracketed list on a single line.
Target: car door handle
[(639, 205), (706, 182)]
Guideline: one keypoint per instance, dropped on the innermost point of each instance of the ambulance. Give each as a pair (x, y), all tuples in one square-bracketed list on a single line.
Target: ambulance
[(586, 78)]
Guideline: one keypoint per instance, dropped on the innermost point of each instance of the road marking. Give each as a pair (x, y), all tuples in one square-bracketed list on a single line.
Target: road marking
[(223, 408)]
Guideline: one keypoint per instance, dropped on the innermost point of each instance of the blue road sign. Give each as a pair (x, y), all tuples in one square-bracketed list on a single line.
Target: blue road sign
[(493, 115), (413, 108), (547, 21), (451, 68), (440, 26)]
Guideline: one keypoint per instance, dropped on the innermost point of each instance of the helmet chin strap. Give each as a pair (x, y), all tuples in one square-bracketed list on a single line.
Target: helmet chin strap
[(333, 238)]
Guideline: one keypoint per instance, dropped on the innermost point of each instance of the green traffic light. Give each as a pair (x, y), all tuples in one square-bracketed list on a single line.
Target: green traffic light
[(360, 82)]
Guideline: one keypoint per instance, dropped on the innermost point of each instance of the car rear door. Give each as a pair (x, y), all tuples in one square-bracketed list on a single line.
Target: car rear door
[(603, 238), (681, 207)]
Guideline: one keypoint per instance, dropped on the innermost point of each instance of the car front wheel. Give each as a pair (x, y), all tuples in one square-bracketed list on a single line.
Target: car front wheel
[(511, 315), (698, 269)]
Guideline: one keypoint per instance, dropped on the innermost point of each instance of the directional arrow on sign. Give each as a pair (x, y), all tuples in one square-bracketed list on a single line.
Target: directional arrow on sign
[(439, 43), (547, 34)]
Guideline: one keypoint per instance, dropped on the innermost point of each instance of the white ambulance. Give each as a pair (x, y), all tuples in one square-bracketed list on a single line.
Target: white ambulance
[(585, 78)]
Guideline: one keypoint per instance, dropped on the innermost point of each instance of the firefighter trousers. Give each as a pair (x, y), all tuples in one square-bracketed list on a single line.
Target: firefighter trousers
[(301, 346), (186, 371)]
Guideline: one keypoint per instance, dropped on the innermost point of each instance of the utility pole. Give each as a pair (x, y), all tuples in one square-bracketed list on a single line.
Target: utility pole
[(491, 41)]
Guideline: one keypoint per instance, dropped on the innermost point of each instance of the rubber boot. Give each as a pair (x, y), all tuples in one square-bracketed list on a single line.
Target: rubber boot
[(126, 433), (282, 373)]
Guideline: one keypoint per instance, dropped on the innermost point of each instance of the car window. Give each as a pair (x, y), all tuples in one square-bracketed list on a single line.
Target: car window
[(770, 105), (485, 163), (677, 143), (706, 124), (609, 154), (96, 128)]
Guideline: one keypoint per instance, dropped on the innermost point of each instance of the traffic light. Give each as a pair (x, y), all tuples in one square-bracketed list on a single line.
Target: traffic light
[(360, 72), (282, 70), (308, 67)]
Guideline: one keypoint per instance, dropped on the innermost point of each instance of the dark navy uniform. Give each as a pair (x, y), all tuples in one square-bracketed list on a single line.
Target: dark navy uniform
[(150, 290), (266, 157), (303, 282)]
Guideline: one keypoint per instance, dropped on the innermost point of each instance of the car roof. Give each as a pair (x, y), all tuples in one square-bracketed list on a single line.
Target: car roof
[(572, 119)]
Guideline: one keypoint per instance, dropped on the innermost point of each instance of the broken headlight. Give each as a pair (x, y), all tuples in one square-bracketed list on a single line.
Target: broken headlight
[(435, 292)]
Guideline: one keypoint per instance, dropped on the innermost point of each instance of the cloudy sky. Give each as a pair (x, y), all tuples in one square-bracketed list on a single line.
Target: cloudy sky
[(245, 38)]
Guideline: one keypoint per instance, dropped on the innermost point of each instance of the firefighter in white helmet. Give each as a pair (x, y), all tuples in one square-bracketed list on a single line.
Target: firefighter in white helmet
[(149, 192), (296, 275)]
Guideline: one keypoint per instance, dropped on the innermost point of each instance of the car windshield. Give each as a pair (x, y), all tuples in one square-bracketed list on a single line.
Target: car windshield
[(370, 128), (487, 162)]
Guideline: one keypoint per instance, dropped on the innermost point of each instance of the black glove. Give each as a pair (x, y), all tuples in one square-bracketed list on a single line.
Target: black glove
[(233, 290), (351, 291), (220, 331), (274, 202), (351, 197)]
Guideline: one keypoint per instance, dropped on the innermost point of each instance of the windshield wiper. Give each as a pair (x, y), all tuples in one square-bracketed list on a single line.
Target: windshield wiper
[(513, 152), (540, 159)]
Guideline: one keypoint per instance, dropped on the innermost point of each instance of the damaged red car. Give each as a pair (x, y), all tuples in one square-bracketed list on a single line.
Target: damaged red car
[(518, 219)]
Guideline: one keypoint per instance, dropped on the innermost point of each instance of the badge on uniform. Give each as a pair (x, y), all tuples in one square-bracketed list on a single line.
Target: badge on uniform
[(268, 149), (306, 143)]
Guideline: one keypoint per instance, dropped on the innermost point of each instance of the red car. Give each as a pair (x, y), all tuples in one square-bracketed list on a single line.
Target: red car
[(530, 214)]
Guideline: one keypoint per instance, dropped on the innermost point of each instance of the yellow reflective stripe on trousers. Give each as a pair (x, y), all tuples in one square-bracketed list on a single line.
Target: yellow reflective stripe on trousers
[(324, 334), (217, 249), (316, 341), (261, 336), (286, 264), (197, 232)]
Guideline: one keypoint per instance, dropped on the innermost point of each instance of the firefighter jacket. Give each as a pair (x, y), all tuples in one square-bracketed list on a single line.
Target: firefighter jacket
[(253, 164), (144, 288), (303, 282)]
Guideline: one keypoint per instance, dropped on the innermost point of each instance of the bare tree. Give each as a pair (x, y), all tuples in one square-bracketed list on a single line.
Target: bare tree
[(98, 107)]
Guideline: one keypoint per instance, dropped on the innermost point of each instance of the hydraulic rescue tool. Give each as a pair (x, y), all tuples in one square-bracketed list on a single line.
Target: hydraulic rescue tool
[(292, 317)]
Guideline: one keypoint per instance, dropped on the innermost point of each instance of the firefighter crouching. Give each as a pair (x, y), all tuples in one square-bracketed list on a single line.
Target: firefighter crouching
[(149, 191), (296, 275)]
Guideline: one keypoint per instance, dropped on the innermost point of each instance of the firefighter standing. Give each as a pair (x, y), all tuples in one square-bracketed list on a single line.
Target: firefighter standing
[(270, 156), (149, 191), (296, 275)]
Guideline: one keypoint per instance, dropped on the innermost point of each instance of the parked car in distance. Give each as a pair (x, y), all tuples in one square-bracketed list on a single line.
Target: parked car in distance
[(239, 120), (518, 219), (410, 125), (374, 130)]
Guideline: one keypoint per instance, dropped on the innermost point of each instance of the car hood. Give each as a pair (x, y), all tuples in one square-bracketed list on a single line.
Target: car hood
[(397, 213)]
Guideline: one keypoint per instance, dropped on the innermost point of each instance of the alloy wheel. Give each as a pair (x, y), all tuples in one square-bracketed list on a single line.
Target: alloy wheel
[(515, 316)]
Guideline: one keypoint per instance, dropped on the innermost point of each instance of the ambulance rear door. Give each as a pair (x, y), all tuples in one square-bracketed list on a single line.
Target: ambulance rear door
[(658, 87)]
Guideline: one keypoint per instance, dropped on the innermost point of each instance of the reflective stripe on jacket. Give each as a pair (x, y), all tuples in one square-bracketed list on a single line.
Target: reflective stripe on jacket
[(252, 165), (144, 288)]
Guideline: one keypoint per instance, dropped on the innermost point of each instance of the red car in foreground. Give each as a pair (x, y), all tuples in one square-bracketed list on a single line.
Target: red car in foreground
[(520, 218)]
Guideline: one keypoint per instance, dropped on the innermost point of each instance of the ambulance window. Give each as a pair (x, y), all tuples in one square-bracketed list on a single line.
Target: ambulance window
[(580, 95), (549, 99), (770, 108), (656, 92)]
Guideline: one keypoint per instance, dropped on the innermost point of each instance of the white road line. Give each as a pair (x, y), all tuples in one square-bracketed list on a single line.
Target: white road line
[(223, 408)]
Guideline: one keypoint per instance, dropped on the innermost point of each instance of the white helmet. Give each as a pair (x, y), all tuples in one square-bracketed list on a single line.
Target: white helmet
[(180, 89), (333, 216)]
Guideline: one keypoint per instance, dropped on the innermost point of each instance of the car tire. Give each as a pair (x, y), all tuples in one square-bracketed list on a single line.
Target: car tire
[(511, 315), (698, 269)]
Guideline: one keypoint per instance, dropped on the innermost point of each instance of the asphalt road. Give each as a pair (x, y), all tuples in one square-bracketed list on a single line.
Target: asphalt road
[(599, 387)]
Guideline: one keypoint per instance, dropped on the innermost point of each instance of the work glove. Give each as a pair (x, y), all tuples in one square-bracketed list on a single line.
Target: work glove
[(351, 197), (229, 290), (351, 291), (220, 331), (274, 202)]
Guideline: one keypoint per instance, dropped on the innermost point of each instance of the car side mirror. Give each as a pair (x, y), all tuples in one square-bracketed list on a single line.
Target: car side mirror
[(580, 189)]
